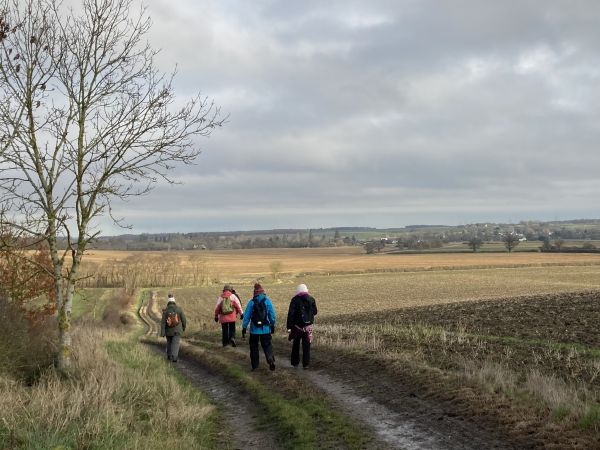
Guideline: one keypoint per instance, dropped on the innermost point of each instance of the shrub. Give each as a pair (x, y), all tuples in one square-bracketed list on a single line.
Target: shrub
[(26, 347)]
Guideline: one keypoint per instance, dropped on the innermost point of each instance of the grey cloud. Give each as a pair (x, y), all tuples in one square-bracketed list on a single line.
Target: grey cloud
[(384, 111)]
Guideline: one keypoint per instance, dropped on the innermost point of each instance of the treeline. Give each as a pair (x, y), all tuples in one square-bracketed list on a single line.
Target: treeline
[(409, 237)]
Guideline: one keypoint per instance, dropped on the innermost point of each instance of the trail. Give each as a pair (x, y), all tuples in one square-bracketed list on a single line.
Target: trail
[(235, 405), (402, 421)]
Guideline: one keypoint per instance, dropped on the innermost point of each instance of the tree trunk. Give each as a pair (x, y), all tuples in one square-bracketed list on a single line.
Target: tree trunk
[(64, 319), (64, 336)]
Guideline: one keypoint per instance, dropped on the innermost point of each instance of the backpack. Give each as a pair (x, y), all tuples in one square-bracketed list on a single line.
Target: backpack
[(306, 311), (226, 306), (173, 319), (259, 314)]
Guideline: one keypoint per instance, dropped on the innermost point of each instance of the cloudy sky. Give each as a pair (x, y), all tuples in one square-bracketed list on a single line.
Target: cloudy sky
[(382, 113)]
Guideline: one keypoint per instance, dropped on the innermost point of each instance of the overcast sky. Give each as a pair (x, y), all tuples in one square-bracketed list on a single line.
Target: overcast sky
[(382, 113)]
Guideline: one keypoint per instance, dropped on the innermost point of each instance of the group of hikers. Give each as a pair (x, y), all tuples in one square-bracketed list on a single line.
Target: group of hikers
[(259, 315)]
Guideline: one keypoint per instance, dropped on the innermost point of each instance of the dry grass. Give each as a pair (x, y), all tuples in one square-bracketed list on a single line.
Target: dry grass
[(105, 404)]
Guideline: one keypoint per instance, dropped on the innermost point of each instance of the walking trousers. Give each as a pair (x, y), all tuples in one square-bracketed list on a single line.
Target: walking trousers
[(305, 351), (173, 347), (267, 346), (228, 332)]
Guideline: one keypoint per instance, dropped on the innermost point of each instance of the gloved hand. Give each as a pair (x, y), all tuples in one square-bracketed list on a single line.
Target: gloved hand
[(241, 316), (216, 319), (272, 329), (244, 333)]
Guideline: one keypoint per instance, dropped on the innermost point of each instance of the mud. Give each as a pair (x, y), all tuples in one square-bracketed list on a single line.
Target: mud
[(408, 426), (398, 417), (235, 405)]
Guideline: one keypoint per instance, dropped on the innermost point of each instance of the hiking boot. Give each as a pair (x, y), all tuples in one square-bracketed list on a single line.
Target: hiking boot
[(272, 364), (305, 367), (233, 344)]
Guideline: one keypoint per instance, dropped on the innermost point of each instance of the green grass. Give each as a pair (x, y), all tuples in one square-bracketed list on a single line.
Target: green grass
[(90, 303), (298, 414), (153, 404), (591, 419)]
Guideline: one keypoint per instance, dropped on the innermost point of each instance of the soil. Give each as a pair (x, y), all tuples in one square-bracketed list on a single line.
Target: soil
[(402, 409), (396, 416), (565, 317), (406, 422), (235, 405)]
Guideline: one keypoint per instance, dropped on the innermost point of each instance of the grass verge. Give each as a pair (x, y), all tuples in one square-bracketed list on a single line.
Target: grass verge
[(118, 396)]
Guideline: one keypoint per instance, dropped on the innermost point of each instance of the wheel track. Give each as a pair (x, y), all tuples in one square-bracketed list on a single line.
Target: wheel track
[(236, 406), (406, 423)]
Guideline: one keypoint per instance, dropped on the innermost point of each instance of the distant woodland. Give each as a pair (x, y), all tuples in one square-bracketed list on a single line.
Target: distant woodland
[(550, 234)]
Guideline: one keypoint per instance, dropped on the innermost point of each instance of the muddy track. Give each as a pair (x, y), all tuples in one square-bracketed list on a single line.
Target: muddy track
[(398, 417), (236, 407)]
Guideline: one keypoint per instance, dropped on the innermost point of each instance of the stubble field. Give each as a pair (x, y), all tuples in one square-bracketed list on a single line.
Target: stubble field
[(510, 339), (205, 267)]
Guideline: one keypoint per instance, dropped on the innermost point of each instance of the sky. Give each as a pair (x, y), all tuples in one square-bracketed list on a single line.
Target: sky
[(381, 113)]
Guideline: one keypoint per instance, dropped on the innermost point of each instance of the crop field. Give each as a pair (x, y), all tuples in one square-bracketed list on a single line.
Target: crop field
[(358, 293), (505, 339), (143, 269), (518, 331)]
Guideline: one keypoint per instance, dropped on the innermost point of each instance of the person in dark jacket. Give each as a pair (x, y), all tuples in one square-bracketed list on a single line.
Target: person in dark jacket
[(260, 331), (301, 314), (172, 326)]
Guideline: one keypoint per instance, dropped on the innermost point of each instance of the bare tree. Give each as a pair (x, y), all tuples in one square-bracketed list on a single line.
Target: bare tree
[(85, 119), (475, 243), (511, 240)]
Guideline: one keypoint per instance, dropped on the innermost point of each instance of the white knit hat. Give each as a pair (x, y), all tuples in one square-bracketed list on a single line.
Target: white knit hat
[(301, 288)]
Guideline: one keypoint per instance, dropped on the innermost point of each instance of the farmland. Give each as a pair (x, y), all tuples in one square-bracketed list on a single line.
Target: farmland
[(507, 343), (207, 267), (479, 332)]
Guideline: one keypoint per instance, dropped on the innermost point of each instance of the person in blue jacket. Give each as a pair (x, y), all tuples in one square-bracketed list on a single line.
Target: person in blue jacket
[(260, 314)]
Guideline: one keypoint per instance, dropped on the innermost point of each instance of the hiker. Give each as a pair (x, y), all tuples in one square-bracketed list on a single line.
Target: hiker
[(260, 314), (172, 326), (226, 310), (301, 314)]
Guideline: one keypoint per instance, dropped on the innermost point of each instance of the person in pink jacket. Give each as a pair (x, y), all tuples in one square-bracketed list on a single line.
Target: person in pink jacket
[(226, 310)]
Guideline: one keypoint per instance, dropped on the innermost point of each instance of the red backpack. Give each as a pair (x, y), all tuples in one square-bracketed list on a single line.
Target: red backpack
[(173, 319)]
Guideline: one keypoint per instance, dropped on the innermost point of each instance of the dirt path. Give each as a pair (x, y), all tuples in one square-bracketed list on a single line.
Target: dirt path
[(410, 425), (398, 417), (235, 405)]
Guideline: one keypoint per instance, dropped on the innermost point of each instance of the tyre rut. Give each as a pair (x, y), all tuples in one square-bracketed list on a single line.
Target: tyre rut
[(405, 422), (236, 407)]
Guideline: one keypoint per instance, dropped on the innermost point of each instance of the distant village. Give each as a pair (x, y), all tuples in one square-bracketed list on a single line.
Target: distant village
[(551, 236)]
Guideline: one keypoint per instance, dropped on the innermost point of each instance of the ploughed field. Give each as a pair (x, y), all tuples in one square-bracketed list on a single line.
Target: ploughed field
[(514, 346), (383, 292)]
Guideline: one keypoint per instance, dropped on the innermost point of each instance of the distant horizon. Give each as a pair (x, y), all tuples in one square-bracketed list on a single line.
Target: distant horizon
[(350, 227)]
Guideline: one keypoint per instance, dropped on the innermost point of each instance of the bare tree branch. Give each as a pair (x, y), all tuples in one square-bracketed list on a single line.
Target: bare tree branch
[(85, 118)]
